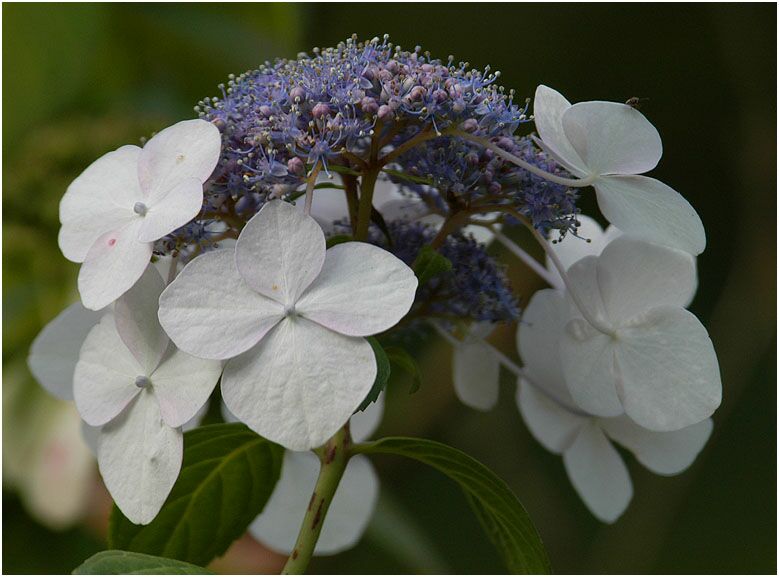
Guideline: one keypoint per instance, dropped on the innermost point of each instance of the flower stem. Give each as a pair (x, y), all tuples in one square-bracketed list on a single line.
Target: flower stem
[(310, 187), (572, 182), (365, 207), (333, 456), (520, 253)]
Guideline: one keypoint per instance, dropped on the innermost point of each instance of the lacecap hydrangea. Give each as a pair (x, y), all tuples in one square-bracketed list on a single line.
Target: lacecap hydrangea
[(329, 109)]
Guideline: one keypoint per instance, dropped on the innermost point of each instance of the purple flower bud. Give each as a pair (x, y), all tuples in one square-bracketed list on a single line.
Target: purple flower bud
[(297, 93), (296, 166), (385, 112), (470, 125), (320, 110), (369, 105)]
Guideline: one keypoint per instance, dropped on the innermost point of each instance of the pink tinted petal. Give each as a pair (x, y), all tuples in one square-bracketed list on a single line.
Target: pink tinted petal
[(113, 265), (98, 201)]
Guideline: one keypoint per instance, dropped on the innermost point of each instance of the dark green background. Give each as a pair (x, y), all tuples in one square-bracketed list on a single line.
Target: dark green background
[(82, 79)]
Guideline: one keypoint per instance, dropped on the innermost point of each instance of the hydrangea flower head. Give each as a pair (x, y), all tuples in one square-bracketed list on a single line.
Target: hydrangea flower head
[(594, 466), (127, 199), (326, 109), (656, 362), (610, 143), (140, 389), (291, 317)]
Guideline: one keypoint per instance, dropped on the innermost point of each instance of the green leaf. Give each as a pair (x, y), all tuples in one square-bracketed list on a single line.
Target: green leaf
[(402, 358), (430, 263), (382, 375), (501, 514), (338, 239), (227, 476), (126, 563), (378, 220)]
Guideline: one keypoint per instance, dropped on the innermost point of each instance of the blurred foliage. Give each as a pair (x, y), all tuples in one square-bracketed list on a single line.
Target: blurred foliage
[(82, 79)]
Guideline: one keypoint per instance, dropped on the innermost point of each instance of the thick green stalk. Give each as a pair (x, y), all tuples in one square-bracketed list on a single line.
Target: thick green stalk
[(334, 456), (365, 208)]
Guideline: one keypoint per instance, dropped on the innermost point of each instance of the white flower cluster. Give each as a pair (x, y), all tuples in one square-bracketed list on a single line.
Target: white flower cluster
[(288, 316), (661, 373), (610, 353)]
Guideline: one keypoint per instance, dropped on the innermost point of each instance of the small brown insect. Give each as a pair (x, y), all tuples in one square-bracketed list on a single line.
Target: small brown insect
[(635, 102)]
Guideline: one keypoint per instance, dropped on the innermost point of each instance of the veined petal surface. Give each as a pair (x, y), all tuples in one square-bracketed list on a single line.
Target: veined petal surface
[(210, 312), (139, 457), (362, 290), (280, 252), (113, 265), (104, 379), (300, 384)]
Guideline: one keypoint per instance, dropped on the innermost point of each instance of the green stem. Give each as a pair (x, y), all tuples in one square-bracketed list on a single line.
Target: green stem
[(370, 173), (333, 456), (486, 143), (364, 209)]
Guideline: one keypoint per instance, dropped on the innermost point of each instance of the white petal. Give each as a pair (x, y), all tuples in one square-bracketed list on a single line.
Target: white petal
[(666, 453), (478, 331), (163, 264), (364, 423), (598, 474), (346, 520), (552, 425), (583, 278), (538, 341), (548, 109), (175, 208), (136, 319), (476, 372), (327, 206), (98, 201), (648, 209), (54, 352), (635, 276), (113, 265), (362, 290), (612, 138), (104, 380), (183, 384), (668, 371), (572, 248), (300, 384), (407, 208), (280, 252), (188, 149), (587, 358), (210, 312), (385, 192), (140, 458), (195, 421)]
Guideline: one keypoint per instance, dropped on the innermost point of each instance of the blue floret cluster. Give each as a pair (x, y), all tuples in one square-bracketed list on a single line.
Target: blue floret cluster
[(475, 288)]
